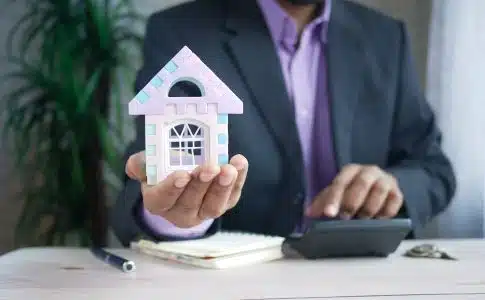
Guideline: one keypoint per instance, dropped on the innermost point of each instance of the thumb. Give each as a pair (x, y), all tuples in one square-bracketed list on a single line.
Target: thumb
[(135, 166)]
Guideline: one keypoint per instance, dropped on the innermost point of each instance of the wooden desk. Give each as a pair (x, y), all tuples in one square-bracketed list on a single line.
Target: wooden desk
[(60, 273)]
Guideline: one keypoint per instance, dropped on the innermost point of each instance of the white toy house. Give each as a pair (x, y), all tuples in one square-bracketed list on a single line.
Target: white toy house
[(184, 132)]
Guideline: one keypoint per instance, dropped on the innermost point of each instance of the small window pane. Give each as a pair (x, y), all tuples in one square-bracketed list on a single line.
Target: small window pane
[(222, 139), (152, 170), (186, 147), (223, 159), (151, 150), (150, 129), (222, 119)]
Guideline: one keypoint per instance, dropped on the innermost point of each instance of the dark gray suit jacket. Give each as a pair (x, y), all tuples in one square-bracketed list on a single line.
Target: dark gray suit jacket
[(379, 114)]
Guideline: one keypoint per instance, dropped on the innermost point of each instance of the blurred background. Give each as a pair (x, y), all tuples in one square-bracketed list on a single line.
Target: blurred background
[(448, 45)]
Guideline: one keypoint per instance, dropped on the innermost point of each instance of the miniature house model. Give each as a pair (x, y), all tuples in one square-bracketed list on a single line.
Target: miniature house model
[(184, 132)]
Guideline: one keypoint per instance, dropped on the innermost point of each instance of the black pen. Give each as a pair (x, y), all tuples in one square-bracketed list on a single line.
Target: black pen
[(114, 260)]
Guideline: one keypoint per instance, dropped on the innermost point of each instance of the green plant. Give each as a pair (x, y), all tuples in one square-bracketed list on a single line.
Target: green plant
[(69, 58)]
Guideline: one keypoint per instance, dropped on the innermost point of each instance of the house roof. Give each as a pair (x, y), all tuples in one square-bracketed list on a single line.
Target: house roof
[(185, 65)]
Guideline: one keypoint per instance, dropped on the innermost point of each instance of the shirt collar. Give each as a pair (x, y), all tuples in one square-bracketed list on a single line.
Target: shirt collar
[(283, 28)]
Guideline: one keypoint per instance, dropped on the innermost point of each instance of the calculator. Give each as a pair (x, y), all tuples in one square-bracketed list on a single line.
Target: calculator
[(349, 238)]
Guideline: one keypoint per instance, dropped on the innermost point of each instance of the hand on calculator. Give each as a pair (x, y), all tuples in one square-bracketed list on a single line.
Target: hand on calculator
[(359, 191)]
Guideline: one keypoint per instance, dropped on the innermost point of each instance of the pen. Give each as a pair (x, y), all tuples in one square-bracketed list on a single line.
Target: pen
[(114, 260)]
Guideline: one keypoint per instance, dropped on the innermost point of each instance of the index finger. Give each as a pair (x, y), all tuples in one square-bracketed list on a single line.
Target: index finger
[(329, 200), (345, 177)]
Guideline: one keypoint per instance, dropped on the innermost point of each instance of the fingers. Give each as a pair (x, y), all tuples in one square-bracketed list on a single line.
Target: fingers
[(357, 193), (190, 201), (392, 205), (363, 191), (325, 203), (135, 166), (328, 202), (390, 209), (216, 198), (376, 198), (241, 165), (186, 199), (159, 198), (224, 193)]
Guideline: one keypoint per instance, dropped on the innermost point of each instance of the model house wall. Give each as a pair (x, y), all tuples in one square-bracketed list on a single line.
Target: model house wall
[(211, 143), (182, 133)]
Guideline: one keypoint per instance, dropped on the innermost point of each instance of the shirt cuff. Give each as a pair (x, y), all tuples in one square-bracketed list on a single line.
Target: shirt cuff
[(163, 227)]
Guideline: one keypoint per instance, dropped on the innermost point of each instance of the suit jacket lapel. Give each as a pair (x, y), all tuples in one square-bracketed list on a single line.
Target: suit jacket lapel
[(252, 51), (346, 61), (260, 69)]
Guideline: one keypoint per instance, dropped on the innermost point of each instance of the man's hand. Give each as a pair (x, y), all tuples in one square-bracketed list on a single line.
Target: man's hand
[(359, 191), (186, 199)]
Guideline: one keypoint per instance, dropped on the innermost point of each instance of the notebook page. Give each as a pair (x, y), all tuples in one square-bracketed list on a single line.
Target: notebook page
[(219, 244)]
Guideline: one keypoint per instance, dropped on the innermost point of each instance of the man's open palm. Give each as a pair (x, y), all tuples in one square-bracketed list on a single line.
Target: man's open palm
[(187, 199)]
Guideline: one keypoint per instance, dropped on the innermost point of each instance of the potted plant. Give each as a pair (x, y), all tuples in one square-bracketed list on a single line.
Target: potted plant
[(64, 119)]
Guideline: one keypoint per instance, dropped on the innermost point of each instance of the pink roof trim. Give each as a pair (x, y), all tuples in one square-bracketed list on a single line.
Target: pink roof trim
[(153, 98)]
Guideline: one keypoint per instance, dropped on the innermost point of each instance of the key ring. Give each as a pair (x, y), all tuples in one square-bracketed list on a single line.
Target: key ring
[(428, 251), (424, 250)]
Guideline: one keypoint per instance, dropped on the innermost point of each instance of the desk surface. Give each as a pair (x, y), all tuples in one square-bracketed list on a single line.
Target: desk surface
[(65, 273)]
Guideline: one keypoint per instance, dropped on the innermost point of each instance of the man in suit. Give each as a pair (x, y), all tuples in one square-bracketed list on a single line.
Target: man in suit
[(334, 124)]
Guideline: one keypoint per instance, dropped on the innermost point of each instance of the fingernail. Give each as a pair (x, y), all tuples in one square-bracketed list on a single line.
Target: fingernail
[(181, 182), (331, 210), (239, 165), (130, 173), (225, 179)]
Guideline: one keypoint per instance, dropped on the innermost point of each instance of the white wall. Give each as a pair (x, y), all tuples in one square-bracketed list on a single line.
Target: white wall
[(414, 12), (455, 90)]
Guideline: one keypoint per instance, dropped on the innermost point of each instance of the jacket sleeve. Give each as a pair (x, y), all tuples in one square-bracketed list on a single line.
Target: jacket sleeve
[(424, 173)]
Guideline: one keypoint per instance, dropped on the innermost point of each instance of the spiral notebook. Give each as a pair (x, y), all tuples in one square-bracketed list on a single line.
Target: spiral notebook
[(219, 251)]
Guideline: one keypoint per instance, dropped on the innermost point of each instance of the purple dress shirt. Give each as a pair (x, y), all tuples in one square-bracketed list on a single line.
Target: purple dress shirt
[(304, 70)]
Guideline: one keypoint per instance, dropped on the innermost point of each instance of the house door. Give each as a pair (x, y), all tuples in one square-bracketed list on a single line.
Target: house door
[(186, 146)]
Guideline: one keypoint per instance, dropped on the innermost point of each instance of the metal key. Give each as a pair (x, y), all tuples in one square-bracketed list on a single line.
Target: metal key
[(428, 251)]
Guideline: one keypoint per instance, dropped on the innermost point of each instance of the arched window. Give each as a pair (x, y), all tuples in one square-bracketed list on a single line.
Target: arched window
[(186, 146), (186, 87)]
